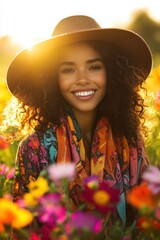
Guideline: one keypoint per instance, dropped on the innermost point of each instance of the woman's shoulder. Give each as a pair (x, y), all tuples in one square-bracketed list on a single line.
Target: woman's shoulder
[(36, 139), (31, 141)]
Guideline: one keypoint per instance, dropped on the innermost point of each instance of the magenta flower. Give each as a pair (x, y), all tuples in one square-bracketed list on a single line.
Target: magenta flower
[(152, 177), (50, 209), (60, 172), (34, 236), (101, 196), (85, 221), (45, 231), (92, 182)]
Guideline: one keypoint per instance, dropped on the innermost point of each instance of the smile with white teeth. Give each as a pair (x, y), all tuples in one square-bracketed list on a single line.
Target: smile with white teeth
[(84, 93)]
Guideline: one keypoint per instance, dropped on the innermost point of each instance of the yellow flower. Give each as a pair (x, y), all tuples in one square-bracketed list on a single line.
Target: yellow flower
[(63, 237), (101, 197), (145, 225), (39, 187), (30, 199), (23, 218), (93, 184), (12, 214)]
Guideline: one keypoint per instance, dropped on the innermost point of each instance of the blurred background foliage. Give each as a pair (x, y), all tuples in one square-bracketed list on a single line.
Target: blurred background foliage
[(142, 24), (149, 29)]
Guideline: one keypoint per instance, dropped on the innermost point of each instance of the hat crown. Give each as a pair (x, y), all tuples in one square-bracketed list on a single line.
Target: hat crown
[(75, 24)]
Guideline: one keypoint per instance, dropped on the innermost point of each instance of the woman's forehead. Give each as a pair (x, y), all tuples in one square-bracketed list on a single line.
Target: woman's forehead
[(78, 50)]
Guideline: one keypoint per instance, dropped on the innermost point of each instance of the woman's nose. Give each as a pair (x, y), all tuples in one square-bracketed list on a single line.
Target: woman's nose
[(82, 78)]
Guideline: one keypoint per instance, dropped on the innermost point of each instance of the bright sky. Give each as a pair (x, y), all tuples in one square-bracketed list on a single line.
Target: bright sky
[(28, 21)]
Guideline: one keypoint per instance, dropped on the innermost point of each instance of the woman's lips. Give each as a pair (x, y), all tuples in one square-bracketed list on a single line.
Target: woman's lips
[(84, 94)]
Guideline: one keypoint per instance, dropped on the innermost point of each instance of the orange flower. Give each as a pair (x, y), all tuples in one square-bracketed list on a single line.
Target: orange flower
[(63, 237), (143, 223), (3, 143), (141, 197), (12, 214)]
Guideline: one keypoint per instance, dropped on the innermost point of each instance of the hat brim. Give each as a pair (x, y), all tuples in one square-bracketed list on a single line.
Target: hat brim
[(130, 43)]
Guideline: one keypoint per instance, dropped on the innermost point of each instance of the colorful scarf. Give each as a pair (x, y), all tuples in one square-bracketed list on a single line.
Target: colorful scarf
[(112, 159), (108, 156)]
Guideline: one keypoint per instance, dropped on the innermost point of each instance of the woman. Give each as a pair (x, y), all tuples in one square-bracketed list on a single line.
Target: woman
[(80, 91)]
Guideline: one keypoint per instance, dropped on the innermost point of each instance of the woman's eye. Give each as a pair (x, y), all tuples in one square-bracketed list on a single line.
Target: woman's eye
[(67, 70), (96, 67)]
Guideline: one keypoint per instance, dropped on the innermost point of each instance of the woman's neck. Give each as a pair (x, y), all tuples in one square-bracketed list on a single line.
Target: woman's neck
[(86, 121)]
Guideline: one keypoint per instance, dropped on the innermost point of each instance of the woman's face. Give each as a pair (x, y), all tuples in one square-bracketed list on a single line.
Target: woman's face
[(82, 77)]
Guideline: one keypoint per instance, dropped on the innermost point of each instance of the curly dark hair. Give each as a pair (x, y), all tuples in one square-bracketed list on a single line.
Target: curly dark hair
[(123, 105)]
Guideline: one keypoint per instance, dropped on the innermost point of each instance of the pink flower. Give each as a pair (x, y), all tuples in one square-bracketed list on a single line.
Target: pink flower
[(60, 172), (152, 177), (3, 169), (21, 203), (10, 173), (157, 100)]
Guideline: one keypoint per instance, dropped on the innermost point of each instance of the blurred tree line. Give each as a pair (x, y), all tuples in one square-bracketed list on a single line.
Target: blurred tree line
[(149, 29)]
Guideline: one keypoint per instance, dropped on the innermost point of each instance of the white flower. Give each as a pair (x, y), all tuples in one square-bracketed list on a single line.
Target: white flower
[(61, 171)]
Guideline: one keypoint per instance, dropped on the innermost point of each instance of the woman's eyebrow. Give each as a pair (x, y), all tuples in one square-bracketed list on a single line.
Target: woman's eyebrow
[(95, 60), (66, 63), (88, 61)]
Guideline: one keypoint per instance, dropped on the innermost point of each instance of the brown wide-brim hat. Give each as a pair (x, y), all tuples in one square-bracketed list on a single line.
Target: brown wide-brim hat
[(70, 30)]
